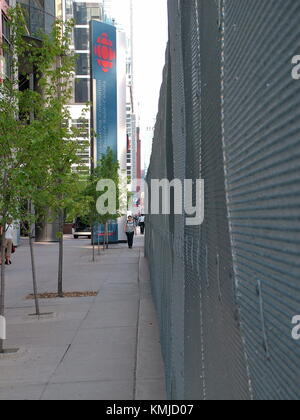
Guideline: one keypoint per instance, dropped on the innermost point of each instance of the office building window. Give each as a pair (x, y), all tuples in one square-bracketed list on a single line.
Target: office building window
[(50, 7), (82, 64), (84, 12), (48, 23), (5, 29), (37, 20), (81, 36), (69, 9), (6, 53), (38, 4), (39, 15), (6, 65), (82, 93)]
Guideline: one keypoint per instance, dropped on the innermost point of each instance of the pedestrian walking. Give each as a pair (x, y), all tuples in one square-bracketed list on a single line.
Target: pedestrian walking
[(142, 224), (130, 230), (8, 243), (136, 219)]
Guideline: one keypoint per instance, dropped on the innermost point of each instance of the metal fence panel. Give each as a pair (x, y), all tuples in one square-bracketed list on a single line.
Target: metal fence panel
[(194, 373), (158, 250), (212, 330), (262, 148), (177, 122), (229, 113)]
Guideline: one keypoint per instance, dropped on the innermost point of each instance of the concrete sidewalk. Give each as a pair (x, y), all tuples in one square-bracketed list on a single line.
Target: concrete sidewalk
[(106, 347)]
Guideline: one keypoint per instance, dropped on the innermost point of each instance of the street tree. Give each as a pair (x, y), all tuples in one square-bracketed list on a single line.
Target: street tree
[(37, 147), (55, 66), (21, 146), (106, 169)]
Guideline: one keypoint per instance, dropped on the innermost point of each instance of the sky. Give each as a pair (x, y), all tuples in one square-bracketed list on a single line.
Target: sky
[(150, 40)]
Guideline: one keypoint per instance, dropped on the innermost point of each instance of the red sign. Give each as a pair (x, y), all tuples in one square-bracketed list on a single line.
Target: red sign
[(105, 53)]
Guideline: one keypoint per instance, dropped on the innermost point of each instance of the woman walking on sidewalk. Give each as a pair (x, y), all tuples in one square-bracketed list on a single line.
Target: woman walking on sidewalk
[(130, 230)]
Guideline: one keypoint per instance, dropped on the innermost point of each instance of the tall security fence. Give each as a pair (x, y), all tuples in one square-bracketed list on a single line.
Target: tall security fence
[(229, 113)]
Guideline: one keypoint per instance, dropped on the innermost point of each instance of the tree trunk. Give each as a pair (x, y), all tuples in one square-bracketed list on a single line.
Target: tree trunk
[(61, 254), (2, 293), (35, 291), (61, 212), (32, 256)]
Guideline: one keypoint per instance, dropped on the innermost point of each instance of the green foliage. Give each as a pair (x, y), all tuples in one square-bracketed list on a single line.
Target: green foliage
[(107, 168), (37, 147)]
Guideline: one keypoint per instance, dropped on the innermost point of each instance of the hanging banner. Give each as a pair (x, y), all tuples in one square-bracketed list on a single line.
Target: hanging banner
[(103, 47), (103, 50)]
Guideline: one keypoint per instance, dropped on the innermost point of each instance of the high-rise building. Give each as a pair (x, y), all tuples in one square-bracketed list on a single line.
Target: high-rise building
[(82, 12), (39, 16), (130, 122), (131, 116), (138, 154), (108, 10)]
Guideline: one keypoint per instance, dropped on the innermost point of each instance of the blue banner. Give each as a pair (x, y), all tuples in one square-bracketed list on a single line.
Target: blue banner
[(104, 71), (104, 52)]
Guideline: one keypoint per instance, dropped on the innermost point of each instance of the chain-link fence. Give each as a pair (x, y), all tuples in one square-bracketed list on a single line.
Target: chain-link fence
[(229, 113)]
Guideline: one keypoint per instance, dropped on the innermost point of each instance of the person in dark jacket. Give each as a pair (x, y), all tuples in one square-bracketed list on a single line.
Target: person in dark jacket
[(142, 224)]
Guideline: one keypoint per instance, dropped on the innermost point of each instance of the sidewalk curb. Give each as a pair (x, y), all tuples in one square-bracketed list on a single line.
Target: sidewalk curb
[(150, 382)]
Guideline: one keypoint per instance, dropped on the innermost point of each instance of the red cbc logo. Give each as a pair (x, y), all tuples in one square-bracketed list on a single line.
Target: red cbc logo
[(105, 53)]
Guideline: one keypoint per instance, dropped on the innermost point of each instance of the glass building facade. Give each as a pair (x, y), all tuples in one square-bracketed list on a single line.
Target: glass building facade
[(82, 13), (39, 14)]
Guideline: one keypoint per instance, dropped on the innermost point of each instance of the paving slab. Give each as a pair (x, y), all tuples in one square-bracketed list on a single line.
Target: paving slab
[(153, 390), (30, 366), (92, 348), (119, 292), (20, 392), (112, 314), (85, 365), (93, 391)]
